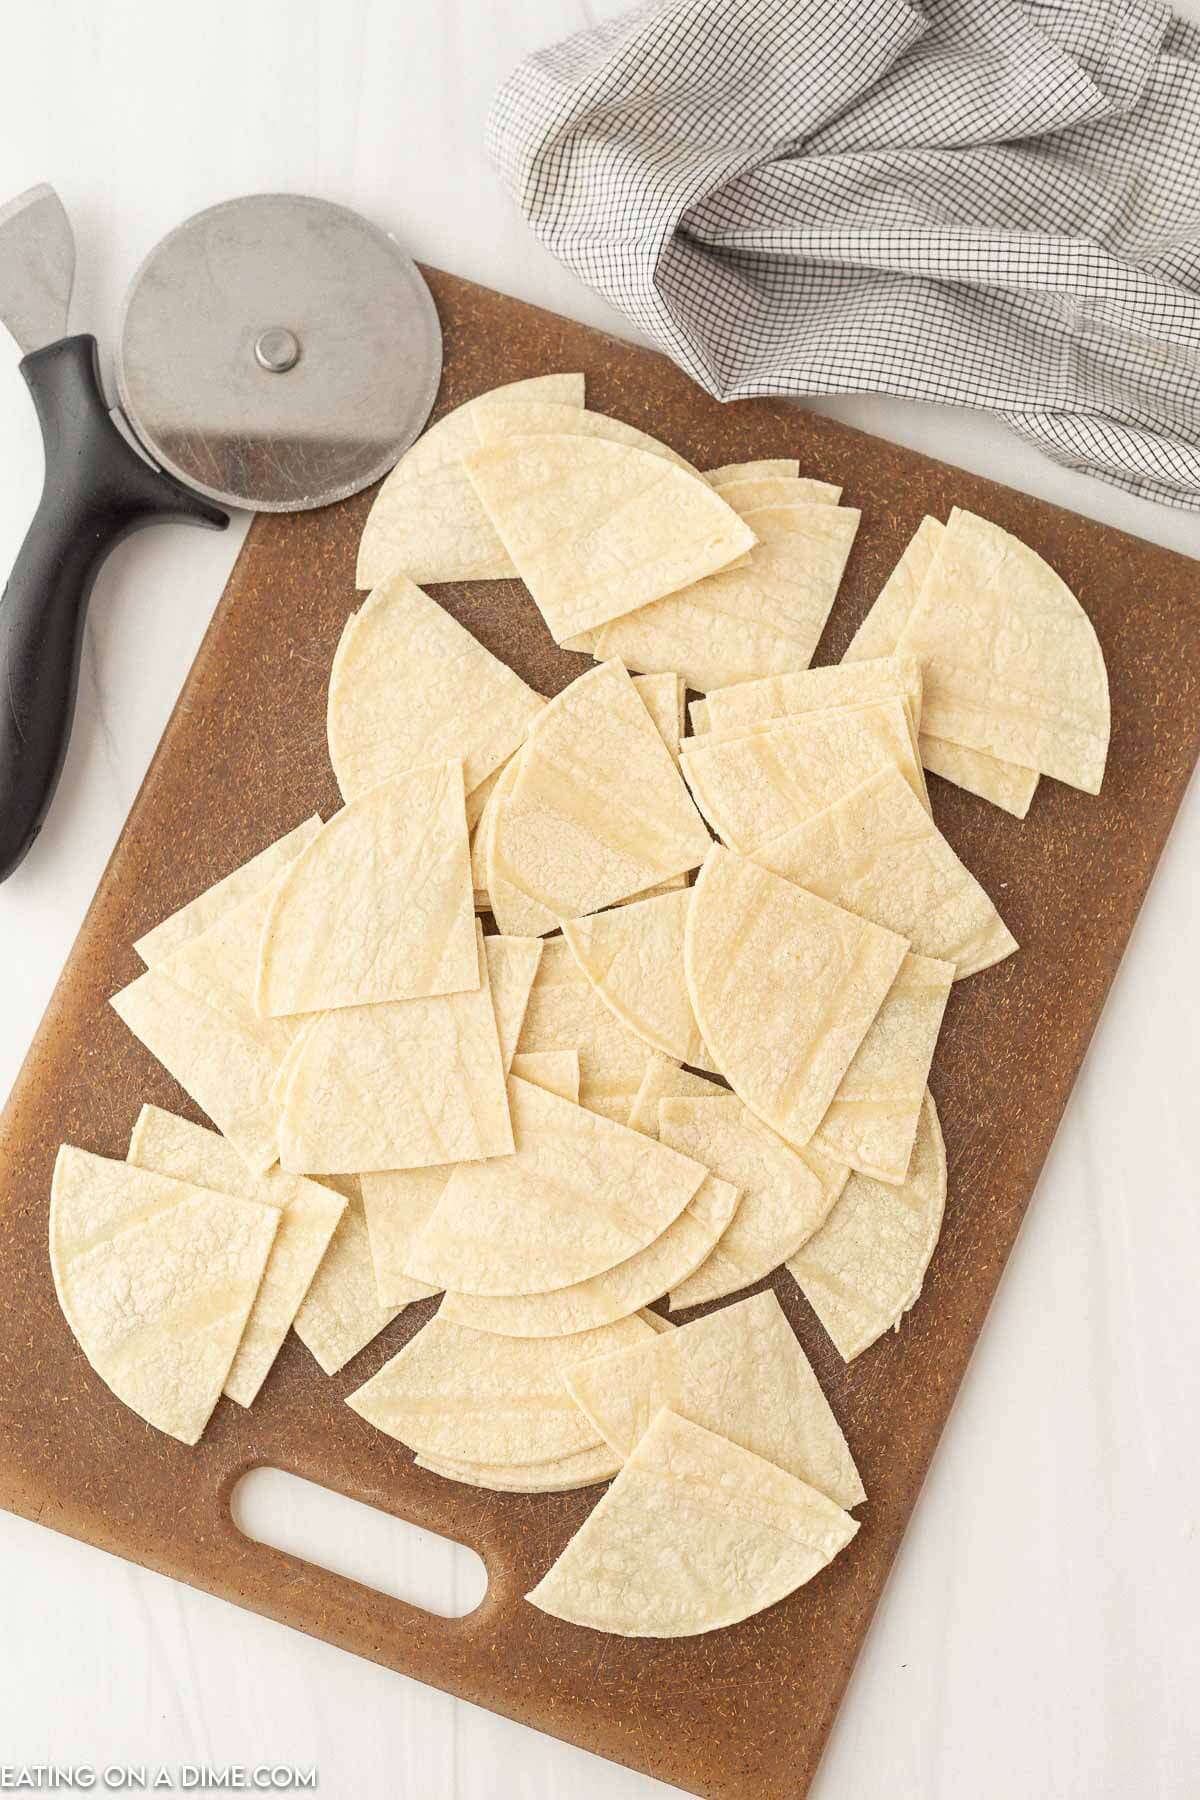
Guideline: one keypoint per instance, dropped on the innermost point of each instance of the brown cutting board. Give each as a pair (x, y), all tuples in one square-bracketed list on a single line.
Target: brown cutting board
[(743, 1712)]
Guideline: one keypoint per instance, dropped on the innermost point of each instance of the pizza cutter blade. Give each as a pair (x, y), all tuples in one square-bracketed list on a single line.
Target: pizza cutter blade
[(277, 353)]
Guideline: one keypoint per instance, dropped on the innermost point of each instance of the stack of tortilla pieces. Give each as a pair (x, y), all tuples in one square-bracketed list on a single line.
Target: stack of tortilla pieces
[(676, 1066)]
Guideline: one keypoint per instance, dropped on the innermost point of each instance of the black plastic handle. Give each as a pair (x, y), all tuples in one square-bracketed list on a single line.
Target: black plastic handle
[(96, 491)]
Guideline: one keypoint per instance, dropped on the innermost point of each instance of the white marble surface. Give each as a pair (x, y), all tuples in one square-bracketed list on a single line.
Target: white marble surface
[(1039, 1635)]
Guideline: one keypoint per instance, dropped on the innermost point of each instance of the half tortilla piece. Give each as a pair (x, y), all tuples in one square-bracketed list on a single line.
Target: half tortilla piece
[(469, 1396), (694, 1534), (864, 1269), (1013, 666), (785, 1197), (740, 1373), (410, 686), (594, 811), (633, 956), (877, 852), (425, 521), (378, 906), (401, 1085), (872, 1120), (561, 1476), (625, 1288), (639, 525), (309, 1215), (740, 624), (156, 1279), (565, 1012), (171, 933), (578, 1195), (754, 786), (784, 987)]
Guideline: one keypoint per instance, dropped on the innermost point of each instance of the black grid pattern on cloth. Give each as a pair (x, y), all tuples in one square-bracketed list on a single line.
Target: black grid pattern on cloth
[(991, 203)]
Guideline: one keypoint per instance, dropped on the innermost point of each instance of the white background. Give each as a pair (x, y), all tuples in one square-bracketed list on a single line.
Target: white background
[(1039, 1635)]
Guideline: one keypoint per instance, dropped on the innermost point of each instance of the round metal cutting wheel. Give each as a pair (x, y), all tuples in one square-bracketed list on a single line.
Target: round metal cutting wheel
[(278, 352)]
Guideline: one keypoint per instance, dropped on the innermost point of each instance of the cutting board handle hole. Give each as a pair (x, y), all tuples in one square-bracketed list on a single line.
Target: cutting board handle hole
[(353, 1539)]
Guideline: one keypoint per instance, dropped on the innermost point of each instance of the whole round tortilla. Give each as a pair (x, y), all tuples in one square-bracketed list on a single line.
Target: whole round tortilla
[(694, 1534), (469, 1396)]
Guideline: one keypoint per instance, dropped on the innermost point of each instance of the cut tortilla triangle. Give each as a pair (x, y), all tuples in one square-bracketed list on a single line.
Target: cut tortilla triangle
[(752, 471), (625, 1288), (512, 966), (164, 1346), (750, 492), (1013, 666), (1005, 784), (740, 624), (784, 1199), (594, 810), (753, 705), (754, 786), (877, 852), (865, 1268), (309, 1215), (195, 1011), (399, 1203), (410, 686), (663, 1079), (378, 906), (784, 987), (359, 1096), (872, 1120), (694, 1534), (342, 1311), (496, 421), (248, 879), (633, 956), (740, 1373), (640, 526), (426, 522), (578, 1195), (566, 1013), (472, 1397)]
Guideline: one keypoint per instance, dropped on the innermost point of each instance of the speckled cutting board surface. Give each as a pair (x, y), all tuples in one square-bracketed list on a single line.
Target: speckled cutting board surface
[(743, 1712)]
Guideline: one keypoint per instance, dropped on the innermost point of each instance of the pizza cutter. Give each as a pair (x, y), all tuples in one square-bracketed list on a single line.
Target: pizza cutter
[(276, 352)]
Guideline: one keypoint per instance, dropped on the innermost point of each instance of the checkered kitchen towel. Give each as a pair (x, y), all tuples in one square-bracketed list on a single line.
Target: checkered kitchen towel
[(994, 203)]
